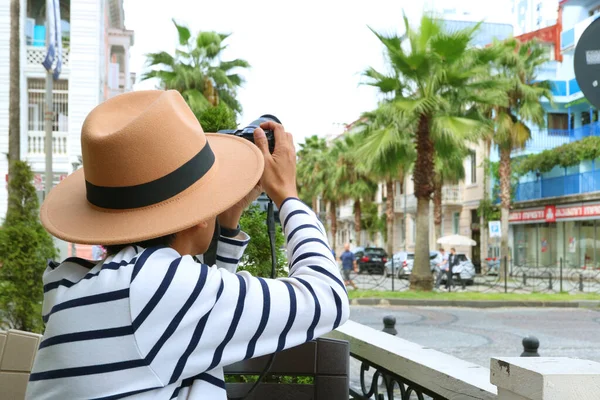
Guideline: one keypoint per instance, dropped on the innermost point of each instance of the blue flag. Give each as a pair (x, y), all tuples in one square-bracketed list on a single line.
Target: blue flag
[(54, 44)]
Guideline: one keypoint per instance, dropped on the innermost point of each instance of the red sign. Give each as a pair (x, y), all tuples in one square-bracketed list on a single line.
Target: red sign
[(550, 213), (553, 213)]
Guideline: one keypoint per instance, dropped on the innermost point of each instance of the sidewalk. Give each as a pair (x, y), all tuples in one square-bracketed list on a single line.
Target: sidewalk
[(474, 303)]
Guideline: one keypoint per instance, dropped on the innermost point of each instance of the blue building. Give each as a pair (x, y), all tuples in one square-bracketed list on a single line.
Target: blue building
[(557, 214)]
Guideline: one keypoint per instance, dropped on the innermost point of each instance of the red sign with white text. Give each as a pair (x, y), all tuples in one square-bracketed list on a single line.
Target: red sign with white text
[(553, 213), (550, 213)]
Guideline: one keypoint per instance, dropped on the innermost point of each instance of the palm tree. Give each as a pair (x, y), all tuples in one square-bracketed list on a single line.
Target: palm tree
[(309, 173), (387, 152), (449, 170), (517, 64), (352, 182), (197, 72), (14, 126), (437, 70)]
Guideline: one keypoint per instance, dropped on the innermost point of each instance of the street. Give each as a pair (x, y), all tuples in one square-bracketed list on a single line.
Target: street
[(476, 335)]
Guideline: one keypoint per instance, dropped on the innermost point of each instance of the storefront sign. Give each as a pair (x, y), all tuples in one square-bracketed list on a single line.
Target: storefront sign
[(550, 213), (553, 213)]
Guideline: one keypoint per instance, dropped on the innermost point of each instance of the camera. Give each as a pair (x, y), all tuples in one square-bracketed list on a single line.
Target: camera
[(248, 132)]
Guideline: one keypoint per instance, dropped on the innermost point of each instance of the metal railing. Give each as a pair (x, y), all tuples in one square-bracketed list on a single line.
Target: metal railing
[(566, 185), (557, 276)]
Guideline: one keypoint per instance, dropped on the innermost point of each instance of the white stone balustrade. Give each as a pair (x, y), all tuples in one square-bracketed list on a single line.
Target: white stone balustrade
[(545, 378)]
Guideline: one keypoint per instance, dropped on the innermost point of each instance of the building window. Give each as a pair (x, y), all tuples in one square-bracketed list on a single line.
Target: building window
[(557, 122), (455, 223), (473, 162), (36, 93)]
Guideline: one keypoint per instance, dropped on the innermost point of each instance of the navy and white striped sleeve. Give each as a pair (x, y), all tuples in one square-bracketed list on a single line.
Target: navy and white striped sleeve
[(229, 251), (195, 318)]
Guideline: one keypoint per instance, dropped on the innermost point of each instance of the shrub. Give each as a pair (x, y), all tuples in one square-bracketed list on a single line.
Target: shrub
[(25, 248)]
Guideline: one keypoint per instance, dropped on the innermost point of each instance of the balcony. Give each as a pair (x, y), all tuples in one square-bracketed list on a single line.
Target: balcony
[(566, 185), (408, 203), (451, 196), (36, 55), (570, 37), (36, 142), (546, 139)]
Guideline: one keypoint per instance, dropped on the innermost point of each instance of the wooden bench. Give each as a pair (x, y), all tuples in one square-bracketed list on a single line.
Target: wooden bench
[(326, 360), (17, 351)]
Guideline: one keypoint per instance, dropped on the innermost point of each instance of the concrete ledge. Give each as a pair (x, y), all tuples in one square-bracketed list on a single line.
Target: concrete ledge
[(445, 375), (475, 303)]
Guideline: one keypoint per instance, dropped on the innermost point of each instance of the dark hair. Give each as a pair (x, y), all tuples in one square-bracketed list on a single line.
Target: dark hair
[(167, 240), (452, 249), (441, 249)]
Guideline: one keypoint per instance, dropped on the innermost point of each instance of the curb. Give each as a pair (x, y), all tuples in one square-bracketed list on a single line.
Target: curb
[(476, 303)]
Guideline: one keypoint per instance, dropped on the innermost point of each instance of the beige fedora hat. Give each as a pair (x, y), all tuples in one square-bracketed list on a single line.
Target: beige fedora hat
[(148, 171)]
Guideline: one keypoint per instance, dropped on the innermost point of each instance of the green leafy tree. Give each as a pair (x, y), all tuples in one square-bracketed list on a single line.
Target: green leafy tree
[(25, 248), (386, 153), (352, 182), (309, 169), (516, 66), (257, 257), (436, 69), (216, 118), (197, 71)]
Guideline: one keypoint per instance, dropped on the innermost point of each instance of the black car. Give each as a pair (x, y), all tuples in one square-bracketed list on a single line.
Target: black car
[(371, 260)]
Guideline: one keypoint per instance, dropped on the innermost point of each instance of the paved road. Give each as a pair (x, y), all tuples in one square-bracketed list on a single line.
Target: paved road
[(476, 335)]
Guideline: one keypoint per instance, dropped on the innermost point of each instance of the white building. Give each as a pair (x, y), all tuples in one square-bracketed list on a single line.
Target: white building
[(95, 67), (531, 15)]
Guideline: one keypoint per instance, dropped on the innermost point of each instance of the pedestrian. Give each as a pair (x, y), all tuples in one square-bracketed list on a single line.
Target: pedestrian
[(152, 320), (453, 262), (348, 264), (442, 268)]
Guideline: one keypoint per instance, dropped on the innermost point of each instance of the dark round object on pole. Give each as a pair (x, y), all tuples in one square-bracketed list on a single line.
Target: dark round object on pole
[(587, 63), (389, 325), (531, 344)]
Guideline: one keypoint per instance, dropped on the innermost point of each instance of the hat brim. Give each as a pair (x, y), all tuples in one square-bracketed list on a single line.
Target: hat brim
[(68, 215)]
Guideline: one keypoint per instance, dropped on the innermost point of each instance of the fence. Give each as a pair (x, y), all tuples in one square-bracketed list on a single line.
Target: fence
[(584, 182), (522, 278)]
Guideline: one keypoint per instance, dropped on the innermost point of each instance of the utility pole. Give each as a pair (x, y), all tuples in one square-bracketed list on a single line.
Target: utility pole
[(54, 45)]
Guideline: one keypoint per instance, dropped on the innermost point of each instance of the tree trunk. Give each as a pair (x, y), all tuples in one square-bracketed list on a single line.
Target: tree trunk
[(437, 208), (357, 218), (483, 228), (333, 216), (505, 197), (315, 203), (389, 215), (14, 124), (421, 278)]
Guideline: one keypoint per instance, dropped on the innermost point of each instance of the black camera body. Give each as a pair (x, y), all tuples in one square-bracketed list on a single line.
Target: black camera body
[(248, 132)]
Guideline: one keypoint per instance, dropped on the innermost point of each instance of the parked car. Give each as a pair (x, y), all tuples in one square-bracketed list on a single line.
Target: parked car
[(370, 260), (406, 269), (401, 259), (465, 268)]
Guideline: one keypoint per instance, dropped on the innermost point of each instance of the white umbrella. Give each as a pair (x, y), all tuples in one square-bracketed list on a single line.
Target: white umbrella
[(456, 240)]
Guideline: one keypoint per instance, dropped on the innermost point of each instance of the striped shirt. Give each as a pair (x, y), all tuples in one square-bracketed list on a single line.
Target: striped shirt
[(150, 324)]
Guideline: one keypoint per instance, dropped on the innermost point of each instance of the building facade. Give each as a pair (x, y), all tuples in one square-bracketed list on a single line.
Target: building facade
[(556, 215), (95, 67), (533, 15)]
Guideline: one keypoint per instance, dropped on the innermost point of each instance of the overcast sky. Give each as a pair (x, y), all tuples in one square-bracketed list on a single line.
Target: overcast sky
[(306, 56)]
